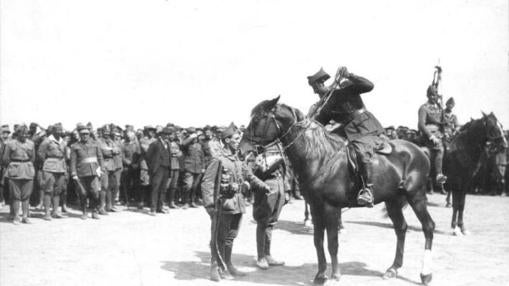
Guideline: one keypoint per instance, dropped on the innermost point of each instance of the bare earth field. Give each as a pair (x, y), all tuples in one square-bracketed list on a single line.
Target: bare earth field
[(132, 248)]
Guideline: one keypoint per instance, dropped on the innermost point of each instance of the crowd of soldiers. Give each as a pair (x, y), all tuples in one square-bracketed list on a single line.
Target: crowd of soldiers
[(50, 168)]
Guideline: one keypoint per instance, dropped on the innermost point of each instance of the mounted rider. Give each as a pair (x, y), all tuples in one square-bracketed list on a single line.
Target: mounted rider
[(341, 103)]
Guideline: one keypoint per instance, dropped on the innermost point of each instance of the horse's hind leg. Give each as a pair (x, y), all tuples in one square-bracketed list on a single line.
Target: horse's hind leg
[(418, 203), (400, 227), (332, 216), (455, 207), (319, 228)]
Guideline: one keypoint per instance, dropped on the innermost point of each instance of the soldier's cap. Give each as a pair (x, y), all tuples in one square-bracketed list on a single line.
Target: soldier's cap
[(82, 128), (106, 129), (33, 125), (319, 76), (166, 130), (191, 130), (389, 128), (5, 128), (450, 101), (149, 127), (169, 124), (432, 90), (229, 131)]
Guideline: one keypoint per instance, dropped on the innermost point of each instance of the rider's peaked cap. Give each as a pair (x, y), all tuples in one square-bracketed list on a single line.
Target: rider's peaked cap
[(321, 75)]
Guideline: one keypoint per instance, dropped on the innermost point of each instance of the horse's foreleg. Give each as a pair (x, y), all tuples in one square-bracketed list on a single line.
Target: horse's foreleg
[(319, 228), (461, 208), (332, 217), (400, 227), (455, 205), (418, 204)]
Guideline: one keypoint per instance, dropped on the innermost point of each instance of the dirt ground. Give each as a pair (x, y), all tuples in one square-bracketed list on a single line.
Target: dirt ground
[(132, 248)]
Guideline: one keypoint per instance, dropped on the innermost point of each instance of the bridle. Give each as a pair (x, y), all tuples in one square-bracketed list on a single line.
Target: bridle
[(271, 117)]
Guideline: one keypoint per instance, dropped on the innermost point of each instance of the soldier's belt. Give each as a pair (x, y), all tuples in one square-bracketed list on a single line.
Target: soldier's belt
[(20, 160), (90, 160), (56, 157)]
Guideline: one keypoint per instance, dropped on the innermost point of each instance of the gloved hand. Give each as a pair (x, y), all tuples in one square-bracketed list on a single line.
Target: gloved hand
[(435, 140), (341, 73)]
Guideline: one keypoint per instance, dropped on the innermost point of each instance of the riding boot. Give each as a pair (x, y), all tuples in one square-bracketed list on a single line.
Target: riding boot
[(365, 196), (56, 204), (47, 206), (228, 260), (63, 201)]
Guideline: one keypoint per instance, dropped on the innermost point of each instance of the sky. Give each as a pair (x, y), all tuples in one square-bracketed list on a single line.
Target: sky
[(198, 62)]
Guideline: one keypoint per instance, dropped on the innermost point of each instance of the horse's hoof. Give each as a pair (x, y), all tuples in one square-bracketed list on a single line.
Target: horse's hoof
[(457, 232), (390, 273), (448, 205), (320, 280), (426, 279)]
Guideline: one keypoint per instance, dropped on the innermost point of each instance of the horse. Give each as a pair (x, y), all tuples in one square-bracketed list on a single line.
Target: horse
[(462, 158), (321, 162)]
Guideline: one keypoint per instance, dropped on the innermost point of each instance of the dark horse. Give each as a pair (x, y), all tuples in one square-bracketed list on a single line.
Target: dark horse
[(462, 157), (320, 161)]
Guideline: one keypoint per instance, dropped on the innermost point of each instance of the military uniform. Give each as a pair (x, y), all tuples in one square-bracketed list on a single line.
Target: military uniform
[(175, 155), (144, 176), (52, 153), (87, 165), (430, 127), (112, 157), (225, 204), (19, 160), (194, 165), (270, 168)]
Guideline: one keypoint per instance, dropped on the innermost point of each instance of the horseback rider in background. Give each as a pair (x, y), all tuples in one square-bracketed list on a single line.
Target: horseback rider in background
[(341, 103), (430, 125)]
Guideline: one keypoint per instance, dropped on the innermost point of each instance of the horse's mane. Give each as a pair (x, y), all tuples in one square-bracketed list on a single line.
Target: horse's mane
[(323, 141)]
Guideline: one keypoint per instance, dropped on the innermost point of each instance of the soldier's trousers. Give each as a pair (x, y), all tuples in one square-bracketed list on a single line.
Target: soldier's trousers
[(191, 182), (20, 191), (52, 184), (110, 182), (159, 180), (174, 179), (91, 185), (223, 233), (266, 210), (130, 182)]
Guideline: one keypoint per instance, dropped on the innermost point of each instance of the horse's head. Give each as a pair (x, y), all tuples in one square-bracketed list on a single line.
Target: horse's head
[(494, 130), (269, 122)]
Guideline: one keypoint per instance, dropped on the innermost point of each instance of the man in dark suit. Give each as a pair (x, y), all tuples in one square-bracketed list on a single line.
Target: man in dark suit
[(158, 161)]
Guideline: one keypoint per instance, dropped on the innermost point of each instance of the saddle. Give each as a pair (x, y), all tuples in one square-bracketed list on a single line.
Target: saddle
[(384, 148)]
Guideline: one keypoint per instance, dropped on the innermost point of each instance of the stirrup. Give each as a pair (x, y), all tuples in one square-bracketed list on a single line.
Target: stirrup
[(365, 197)]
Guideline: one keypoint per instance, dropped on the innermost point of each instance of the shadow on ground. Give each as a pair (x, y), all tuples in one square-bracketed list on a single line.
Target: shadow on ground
[(389, 225), (283, 275)]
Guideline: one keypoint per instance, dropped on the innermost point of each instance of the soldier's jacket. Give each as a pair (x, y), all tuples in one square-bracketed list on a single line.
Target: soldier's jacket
[(110, 151), (19, 158), (175, 155), (450, 124), (237, 172), (194, 160), (430, 120), (52, 154), (345, 106), (86, 158), (215, 147)]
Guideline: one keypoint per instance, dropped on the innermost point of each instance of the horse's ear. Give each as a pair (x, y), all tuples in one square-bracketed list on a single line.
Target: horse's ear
[(483, 114), (272, 103)]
